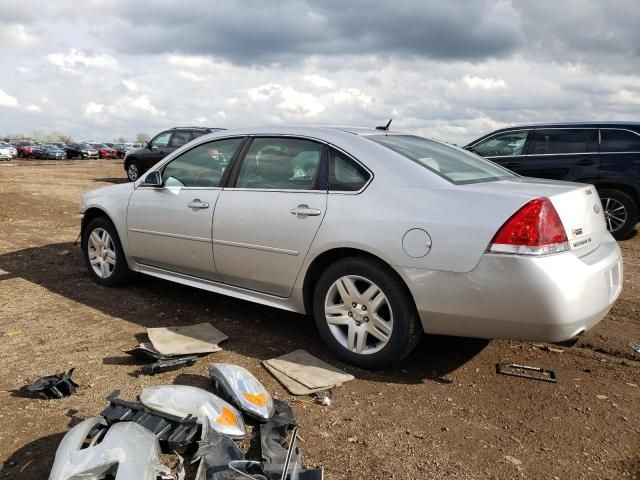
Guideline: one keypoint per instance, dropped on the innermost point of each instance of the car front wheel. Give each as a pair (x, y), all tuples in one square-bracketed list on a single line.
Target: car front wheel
[(103, 253), (365, 314), (620, 212)]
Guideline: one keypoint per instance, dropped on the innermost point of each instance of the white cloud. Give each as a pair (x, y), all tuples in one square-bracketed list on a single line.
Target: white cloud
[(264, 92), (194, 77), (93, 108), (34, 109), (7, 100), (298, 102), (351, 95), (483, 83), (144, 104), (130, 85), (190, 61), (319, 81), (77, 61)]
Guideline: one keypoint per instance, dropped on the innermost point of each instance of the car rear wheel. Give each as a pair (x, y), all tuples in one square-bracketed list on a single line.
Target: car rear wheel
[(365, 314), (132, 171), (103, 253), (620, 212)]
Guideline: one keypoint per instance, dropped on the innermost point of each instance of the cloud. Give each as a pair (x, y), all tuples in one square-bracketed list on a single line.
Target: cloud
[(483, 83), (34, 109), (7, 100), (77, 61)]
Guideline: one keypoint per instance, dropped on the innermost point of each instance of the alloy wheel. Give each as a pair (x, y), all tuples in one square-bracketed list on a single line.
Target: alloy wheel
[(102, 253), (358, 314), (132, 172), (615, 214)]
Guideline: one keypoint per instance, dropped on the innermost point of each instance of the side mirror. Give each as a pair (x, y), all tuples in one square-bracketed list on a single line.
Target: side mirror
[(153, 179), (148, 145)]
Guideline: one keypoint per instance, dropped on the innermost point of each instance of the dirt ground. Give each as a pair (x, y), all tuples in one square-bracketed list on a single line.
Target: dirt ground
[(442, 413)]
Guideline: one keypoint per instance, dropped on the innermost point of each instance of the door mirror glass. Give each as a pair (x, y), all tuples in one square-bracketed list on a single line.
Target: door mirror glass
[(153, 179)]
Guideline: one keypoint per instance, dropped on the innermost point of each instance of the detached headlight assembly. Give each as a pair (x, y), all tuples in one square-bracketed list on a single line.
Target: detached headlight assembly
[(240, 387), (183, 400)]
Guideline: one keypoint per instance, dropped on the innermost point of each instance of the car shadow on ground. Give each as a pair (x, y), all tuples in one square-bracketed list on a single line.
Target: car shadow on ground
[(255, 331), (32, 461)]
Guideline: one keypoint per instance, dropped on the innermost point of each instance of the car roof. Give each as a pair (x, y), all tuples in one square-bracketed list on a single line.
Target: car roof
[(593, 123)]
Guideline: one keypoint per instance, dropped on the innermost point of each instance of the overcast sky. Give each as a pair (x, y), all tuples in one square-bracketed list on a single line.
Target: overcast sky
[(452, 70)]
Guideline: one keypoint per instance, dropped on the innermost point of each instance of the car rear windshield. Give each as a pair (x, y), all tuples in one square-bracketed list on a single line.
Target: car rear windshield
[(452, 163)]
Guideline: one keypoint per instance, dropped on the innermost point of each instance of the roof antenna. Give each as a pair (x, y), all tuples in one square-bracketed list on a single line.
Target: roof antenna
[(386, 127)]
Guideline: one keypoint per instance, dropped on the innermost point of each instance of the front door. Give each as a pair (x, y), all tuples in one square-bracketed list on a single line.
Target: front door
[(505, 148), (266, 220), (170, 226)]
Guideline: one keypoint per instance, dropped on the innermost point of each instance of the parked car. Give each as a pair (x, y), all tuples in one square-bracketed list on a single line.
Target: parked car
[(49, 152), (139, 161), (25, 148), (80, 150), (120, 148), (7, 151), (606, 155), (104, 151), (380, 235)]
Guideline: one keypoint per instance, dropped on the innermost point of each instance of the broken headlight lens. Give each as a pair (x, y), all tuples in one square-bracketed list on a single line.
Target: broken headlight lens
[(239, 386)]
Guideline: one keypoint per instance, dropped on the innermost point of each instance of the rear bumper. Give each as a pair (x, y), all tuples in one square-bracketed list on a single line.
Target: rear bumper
[(552, 298)]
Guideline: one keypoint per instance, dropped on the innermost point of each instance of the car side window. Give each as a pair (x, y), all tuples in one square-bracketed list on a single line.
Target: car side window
[(559, 141), (161, 141), (344, 174), (282, 164), (505, 144), (619, 141), (179, 139), (202, 166)]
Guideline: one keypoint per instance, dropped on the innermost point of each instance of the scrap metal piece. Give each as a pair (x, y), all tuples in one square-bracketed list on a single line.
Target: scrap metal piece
[(146, 351), (53, 386), (186, 339), (169, 365), (525, 371), (280, 462), (183, 400), (237, 385), (174, 433), (126, 452)]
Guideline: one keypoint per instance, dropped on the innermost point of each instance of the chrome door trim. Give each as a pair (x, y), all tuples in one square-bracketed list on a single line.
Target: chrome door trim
[(560, 154), (172, 235), (228, 243)]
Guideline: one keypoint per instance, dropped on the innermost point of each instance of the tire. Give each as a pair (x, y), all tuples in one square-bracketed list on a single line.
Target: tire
[(117, 271), (621, 212), (395, 311), (133, 171)]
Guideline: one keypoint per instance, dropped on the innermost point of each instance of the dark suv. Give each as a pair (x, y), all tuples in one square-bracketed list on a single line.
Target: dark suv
[(605, 154), (139, 161)]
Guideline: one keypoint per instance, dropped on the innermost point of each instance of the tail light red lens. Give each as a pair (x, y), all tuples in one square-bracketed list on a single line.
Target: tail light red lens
[(535, 229)]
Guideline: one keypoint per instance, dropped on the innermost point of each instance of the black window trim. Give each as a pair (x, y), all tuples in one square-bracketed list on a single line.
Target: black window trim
[(620, 130)]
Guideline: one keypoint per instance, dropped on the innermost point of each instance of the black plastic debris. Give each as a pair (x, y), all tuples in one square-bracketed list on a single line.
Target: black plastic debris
[(174, 434), (146, 351), (221, 459), (169, 365), (280, 462), (525, 371), (53, 386)]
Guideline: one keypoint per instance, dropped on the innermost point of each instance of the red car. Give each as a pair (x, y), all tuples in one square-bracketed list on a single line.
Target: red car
[(25, 148), (104, 151)]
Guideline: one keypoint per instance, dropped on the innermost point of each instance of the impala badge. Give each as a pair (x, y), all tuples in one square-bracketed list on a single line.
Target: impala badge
[(576, 232)]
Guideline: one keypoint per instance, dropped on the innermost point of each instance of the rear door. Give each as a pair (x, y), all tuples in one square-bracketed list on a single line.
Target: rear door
[(619, 155), (267, 218), (505, 148), (563, 154)]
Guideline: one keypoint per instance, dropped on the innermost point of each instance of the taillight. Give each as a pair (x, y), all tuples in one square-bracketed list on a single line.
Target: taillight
[(535, 229)]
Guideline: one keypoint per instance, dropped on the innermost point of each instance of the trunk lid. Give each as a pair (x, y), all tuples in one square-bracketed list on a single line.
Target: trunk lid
[(578, 206)]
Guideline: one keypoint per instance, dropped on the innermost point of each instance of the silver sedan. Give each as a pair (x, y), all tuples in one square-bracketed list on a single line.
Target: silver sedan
[(381, 236)]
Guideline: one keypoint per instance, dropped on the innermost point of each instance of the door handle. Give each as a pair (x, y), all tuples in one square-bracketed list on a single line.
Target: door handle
[(196, 204), (303, 211)]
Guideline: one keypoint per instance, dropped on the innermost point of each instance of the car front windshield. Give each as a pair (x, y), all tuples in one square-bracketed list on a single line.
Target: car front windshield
[(452, 163)]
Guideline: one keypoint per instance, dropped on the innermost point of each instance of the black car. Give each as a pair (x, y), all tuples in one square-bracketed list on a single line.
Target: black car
[(139, 161), (49, 152), (605, 154), (80, 150)]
